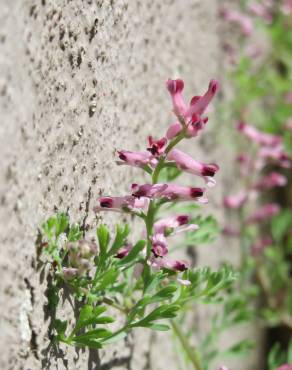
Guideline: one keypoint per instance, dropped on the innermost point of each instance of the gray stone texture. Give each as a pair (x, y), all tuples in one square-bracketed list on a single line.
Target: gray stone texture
[(78, 80)]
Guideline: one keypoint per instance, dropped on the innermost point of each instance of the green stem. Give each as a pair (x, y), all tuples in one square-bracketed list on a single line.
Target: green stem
[(190, 350)]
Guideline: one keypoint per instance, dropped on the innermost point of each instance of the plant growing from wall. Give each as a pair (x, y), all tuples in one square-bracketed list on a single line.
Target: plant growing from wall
[(138, 279)]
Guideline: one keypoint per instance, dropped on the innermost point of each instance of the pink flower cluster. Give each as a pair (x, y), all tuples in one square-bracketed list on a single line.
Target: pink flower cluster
[(191, 119), (268, 149)]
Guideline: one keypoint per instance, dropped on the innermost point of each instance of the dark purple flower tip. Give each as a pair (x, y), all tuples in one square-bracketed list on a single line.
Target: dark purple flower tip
[(106, 202), (213, 86), (196, 192), (174, 86), (194, 99), (210, 169), (240, 126), (122, 156), (123, 252), (180, 266), (183, 219)]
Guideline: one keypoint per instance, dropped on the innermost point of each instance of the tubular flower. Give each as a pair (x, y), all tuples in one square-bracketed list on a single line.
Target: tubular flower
[(264, 213), (124, 251), (242, 20), (156, 147), (175, 88), (159, 246), (188, 164), (235, 201), (177, 192), (271, 180), (168, 191), (148, 190), (136, 159), (259, 137), (200, 103), (173, 224), (119, 204), (177, 265), (190, 115), (276, 154)]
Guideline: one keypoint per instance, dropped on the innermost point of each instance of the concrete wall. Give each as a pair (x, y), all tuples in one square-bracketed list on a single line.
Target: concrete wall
[(78, 80)]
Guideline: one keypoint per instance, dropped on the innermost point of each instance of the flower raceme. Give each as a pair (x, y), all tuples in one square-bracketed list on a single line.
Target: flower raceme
[(145, 199), (189, 115)]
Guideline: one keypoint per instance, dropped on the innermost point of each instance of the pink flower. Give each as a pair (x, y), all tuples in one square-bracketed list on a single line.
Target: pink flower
[(200, 103), (157, 147), (148, 190), (257, 136), (286, 9), (136, 159), (189, 114), (230, 231), (159, 245), (271, 180), (264, 213), (178, 265), (177, 192), (70, 272), (241, 20), (168, 191), (188, 164), (261, 10), (235, 201), (285, 367), (277, 155), (124, 251), (223, 368), (175, 88), (172, 224), (121, 203), (193, 128), (258, 247)]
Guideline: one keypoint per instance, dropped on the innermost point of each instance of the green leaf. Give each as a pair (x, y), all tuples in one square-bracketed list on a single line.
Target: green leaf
[(103, 239), (120, 239), (93, 334), (74, 233), (88, 342), (114, 337), (62, 222), (106, 279), (60, 327), (84, 315), (158, 327), (134, 252)]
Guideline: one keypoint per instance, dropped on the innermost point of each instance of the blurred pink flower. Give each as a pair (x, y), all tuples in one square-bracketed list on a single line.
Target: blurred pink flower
[(263, 11), (257, 136), (235, 201), (270, 181), (285, 367), (242, 20), (264, 213)]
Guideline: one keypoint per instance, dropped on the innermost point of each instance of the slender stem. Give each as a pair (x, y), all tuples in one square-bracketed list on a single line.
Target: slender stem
[(190, 350)]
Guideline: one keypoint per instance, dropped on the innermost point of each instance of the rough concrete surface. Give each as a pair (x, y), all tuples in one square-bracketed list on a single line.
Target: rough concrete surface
[(78, 80)]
